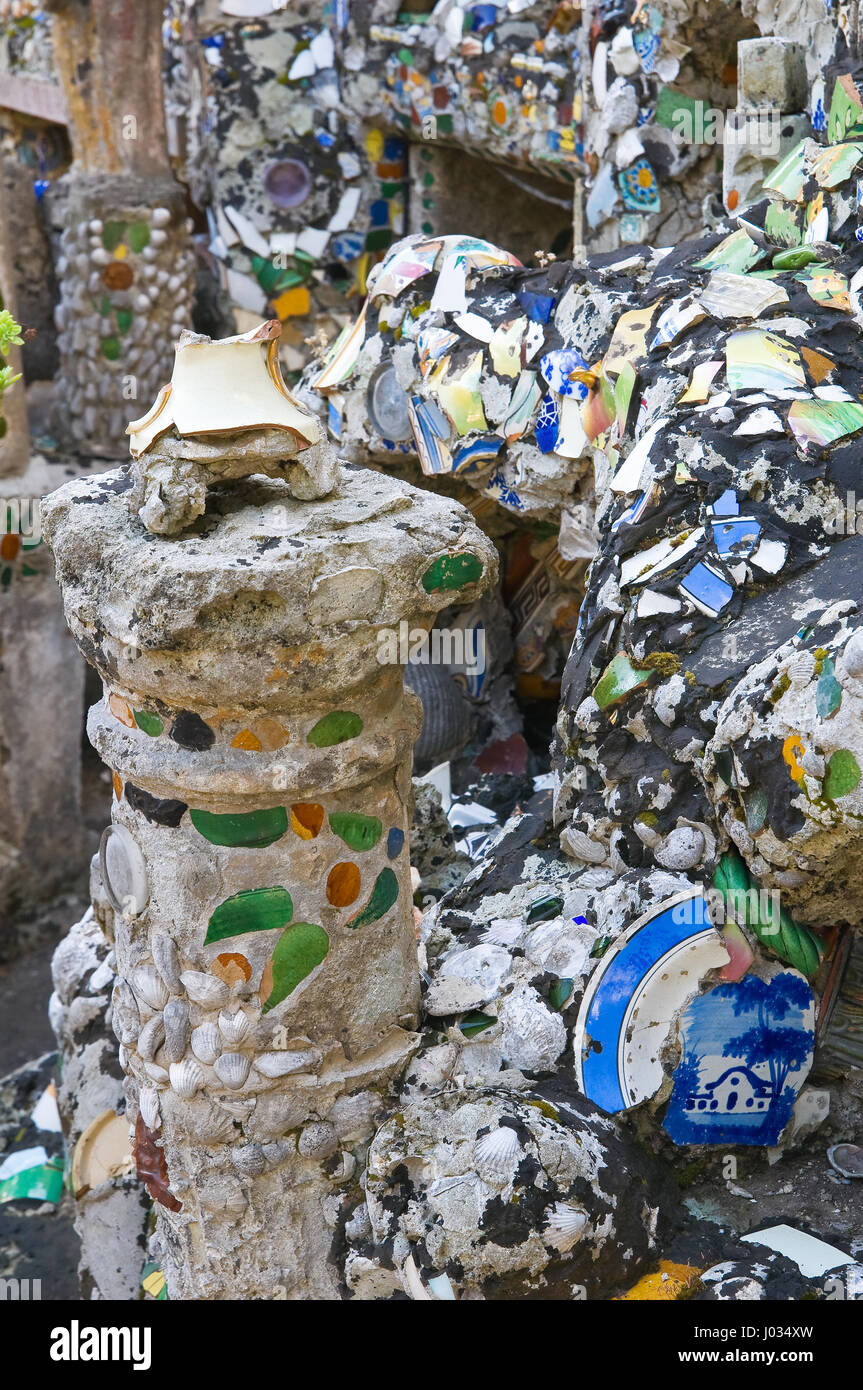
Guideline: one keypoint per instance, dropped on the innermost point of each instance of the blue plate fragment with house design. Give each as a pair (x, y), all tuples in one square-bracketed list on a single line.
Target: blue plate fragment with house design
[(747, 1049)]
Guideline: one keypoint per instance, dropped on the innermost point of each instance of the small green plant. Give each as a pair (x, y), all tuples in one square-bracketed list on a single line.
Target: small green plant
[(10, 336)]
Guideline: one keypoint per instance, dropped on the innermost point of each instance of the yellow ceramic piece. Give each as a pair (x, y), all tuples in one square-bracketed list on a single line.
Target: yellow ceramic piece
[(505, 347), (293, 303), (664, 1285), (103, 1152)]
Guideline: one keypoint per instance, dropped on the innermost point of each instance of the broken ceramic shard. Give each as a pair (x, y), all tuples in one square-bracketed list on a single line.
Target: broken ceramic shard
[(225, 415)]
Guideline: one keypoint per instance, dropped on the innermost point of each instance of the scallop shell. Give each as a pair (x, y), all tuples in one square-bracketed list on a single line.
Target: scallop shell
[(151, 1037), (149, 986), (206, 1043), (566, 1225), (148, 1104), (205, 989), (275, 1064), (497, 1153), (801, 669), (186, 1077), (234, 1027), (125, 1018), (167, 959), (232, 1068)]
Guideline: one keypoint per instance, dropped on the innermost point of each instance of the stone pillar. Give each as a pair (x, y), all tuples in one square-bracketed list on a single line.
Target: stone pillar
[(126, 272), (257, 859), (771, 116)]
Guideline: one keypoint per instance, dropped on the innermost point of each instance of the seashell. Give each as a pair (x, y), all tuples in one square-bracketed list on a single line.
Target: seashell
[(149, 986), (580, 846), (232, 1068), (167, 959), (150, 1038), (157, 1074), (852, 654), (125, 1018), (176, 1017), (205, 989), (496, 1154), (566, 1225), (234, 1027), (186, 1077), (318, 1140), (223, 1194), (148, 1104), (206, 1043), (275, 1064), (800, 670), (123, 1055), (249, 1159), (207, 1123)]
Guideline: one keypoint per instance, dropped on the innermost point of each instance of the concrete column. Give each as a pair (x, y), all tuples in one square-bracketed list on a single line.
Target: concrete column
[(258, 859), (126, 272)]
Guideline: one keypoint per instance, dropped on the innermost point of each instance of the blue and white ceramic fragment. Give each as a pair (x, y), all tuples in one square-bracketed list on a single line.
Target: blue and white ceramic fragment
[(747, 1049)]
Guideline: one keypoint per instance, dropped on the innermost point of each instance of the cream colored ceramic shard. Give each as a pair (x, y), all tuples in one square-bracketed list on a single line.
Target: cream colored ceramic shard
[(225, 385), (104, 1151)]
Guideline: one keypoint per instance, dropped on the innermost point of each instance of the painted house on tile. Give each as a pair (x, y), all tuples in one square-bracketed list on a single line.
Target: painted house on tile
[(737, 1089), (746, 1051)]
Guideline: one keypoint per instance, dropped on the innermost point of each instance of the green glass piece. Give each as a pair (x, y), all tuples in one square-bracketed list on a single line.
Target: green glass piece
[(383, 895), (405, 56), (560, 992), (266, 274), (619, 679), (124, 320), (111, 348), (112, 235), (255, 909), (474, 1023), (842, 775), (148, 723), (444, 125), (795, 945), (246, 829), (300, 950), (452, 572), (379, 238), (544, 909), (105, 306), (358, 832), (138, 236), (390, 190), (599, 947), (794, 258), (336, 727), (828, 692)]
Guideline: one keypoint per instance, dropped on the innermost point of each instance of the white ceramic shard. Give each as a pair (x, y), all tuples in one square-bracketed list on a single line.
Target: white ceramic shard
[(224, 385)]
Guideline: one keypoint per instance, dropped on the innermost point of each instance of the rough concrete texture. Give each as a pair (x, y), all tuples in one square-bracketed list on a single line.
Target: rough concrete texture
[(490, 1196), (262, 773), (110, 1217)]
